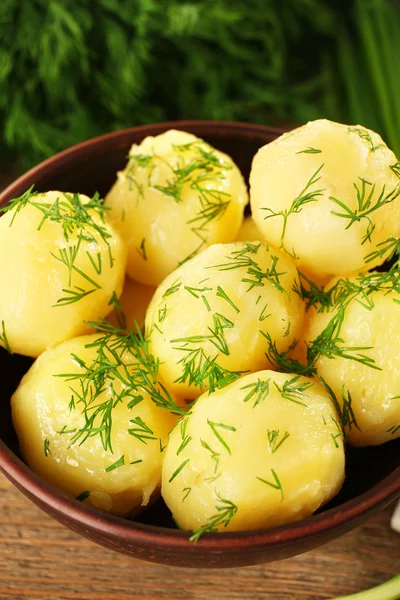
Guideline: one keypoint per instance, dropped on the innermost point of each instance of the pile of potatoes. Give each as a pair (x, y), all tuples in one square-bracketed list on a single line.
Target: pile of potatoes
[(183, 349)]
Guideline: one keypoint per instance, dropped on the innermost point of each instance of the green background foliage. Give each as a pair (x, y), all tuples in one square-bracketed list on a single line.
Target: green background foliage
[(72, 69)]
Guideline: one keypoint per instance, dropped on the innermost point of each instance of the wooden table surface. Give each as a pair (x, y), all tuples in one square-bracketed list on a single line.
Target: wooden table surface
[(40, 559)]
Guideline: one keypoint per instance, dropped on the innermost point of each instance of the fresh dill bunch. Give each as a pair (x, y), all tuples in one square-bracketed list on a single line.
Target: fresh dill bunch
[(70, 70)]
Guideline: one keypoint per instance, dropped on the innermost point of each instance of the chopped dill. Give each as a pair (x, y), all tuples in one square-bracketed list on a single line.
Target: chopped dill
[(309, 150), (276, 485), (4, 339), (367, 204), (365, 135), (275, 440), (178, 470), (84, 222), (46, 447), (118, 463), (258, 391), (225, 512), (294, 391), (215, 427), (121, 370), (142, 249)]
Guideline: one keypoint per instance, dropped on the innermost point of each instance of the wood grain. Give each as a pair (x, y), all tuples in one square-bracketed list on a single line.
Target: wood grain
[(41, 559)]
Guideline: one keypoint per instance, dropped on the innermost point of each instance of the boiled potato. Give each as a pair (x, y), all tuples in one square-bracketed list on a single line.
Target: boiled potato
[(356, 345), (328, 195), (60, 264), (176, 196), (249, 231), (132, 305), (103, 447), (209, 321), (265, 450)]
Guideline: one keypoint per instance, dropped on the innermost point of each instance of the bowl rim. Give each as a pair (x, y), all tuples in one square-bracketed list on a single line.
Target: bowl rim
[(378, 496), (65, 156), (47, 495)]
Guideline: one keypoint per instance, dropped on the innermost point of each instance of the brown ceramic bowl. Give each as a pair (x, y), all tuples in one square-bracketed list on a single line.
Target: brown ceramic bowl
[(373, 474)]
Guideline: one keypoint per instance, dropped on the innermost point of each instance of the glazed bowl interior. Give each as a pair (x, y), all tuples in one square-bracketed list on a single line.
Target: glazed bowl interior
[(373, 474)]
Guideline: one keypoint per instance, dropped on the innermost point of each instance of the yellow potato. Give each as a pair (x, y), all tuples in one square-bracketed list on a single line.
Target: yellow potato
[(134, 302), (265, 450), (176, 196), (249, 231), (362, 370), (206, 321), (60, 264), (72, 437), (327, 194)]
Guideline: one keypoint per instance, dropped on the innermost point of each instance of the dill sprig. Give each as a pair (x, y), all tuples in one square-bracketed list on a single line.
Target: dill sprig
[(344, 408), (215, 456), (294, 390), (255, 275), (282, 361), (258, 391), (201, 370), (360, 288), (83, 222), (4, 339), (365, 135), (306, 196), (216, 429), (68, 210), (330, 345), (121, 370), (396, 168), (194, 167), (186, 439), (367, 203), (276, 484), (226, 510), (385, 250), (310, 292), (309, 150), (275, 439)]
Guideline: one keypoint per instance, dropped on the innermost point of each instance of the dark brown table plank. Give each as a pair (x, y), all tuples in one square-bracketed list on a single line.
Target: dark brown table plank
[(41, 559)]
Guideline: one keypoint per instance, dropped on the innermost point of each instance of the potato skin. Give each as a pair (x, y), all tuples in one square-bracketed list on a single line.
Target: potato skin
[(33, 279), (213, 311), (334, 158), (164, 220), (375, 332), (40, 410), (248, 432), (134, 302)]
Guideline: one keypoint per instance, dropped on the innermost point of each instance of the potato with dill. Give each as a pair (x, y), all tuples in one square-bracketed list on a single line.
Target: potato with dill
[(213, 479), (60, 264), (176, 196), (353, 335), (217, 316), (329, 196), (92, 424)]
